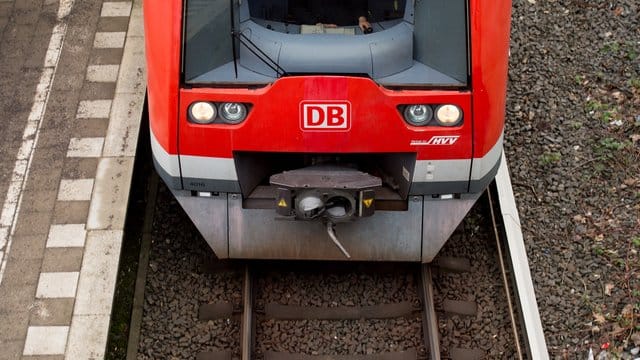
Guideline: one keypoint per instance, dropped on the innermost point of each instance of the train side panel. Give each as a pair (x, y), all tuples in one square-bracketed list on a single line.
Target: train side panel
[(489, 65), (162, 22)]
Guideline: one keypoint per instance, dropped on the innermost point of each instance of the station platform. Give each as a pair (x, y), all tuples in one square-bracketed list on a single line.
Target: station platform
[(72, 89)]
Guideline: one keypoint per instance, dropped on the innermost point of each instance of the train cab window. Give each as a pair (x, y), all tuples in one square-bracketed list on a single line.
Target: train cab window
[(411, 43), (338, 12)]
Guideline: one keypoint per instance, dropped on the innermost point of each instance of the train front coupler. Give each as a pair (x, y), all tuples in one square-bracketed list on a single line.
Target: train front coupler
[(329, 194)]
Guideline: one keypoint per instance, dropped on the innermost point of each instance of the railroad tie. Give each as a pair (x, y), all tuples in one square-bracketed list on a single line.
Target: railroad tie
[(465, 308)]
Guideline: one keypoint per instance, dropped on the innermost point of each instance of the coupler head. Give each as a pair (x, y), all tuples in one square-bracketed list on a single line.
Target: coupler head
[(333, 194)]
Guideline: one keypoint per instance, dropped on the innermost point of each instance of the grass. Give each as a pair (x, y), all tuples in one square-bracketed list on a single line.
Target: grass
[(610, 47), (608, 115), (598, 250), (576, 125), (611, 144), (595, 105), (603, 111), (625, 49), (550, 157)]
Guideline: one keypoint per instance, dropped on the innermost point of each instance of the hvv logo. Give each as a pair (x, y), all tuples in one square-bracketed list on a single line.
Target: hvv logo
[(443, 140), (325, 116)]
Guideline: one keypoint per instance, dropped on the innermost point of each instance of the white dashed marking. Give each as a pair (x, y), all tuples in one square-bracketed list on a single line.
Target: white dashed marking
[(57, 285), (11, 206), (115, 9), (109, 40), (66, 235), (46, 340)]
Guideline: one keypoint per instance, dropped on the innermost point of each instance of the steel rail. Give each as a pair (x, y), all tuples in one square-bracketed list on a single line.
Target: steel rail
[(503, 272), (246, 337), (243, 312), (429, 322), (531, 323)]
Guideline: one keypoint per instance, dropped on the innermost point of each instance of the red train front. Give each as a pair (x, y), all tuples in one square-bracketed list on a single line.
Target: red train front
[(287, 129)]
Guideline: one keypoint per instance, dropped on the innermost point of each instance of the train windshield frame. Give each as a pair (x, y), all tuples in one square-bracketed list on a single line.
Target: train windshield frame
[(233, 42)]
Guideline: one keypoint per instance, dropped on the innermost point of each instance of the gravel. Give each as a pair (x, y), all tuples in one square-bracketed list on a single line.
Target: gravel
[(573, 145), (335, 289), (323, 337), (328, 288), (180, 280), (177, 284), (489, 330)]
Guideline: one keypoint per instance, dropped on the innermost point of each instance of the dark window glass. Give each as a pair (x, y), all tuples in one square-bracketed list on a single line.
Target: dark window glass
[(339, 12)]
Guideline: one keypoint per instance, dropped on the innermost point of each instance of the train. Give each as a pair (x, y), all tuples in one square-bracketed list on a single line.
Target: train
[(327, 130)]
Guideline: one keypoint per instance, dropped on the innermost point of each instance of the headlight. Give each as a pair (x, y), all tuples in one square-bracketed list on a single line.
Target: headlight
[(418, 115), (202, 112), (233, 113), (448, 115)]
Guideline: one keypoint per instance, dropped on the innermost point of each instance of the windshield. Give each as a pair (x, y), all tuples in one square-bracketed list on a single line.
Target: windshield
[(393, 42)]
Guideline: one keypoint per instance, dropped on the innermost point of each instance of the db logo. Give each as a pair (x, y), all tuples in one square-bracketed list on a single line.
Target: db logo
[(325, 116)]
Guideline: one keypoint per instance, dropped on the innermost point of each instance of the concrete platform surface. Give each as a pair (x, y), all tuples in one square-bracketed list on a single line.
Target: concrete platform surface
[(72, 86)]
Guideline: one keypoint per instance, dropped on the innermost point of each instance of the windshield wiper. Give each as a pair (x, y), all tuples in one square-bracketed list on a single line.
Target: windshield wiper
[(251, 46), (233, 41), (260, 54)]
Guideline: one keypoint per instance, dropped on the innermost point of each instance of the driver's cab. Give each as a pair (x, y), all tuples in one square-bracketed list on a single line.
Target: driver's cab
[(420, 43)]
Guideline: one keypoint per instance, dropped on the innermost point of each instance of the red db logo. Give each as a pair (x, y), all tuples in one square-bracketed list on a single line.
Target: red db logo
[(325, 116)]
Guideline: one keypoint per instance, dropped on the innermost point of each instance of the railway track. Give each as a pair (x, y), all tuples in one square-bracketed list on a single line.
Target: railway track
[(374, 311)]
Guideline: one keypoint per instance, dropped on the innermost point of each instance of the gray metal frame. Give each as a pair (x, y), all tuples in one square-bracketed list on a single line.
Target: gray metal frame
[(413, 235), (440, 219)]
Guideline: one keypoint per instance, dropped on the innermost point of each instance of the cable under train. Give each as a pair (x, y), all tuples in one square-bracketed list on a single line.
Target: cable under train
[(287, 130)]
